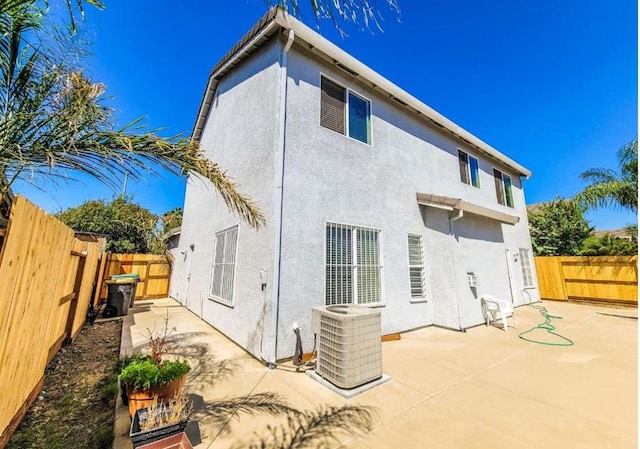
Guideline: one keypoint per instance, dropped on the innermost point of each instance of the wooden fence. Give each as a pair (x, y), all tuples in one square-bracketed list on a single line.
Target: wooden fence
[(599, 280), (154, 272), (47, 277)]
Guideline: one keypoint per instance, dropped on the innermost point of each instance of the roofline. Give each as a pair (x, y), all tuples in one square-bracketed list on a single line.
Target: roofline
[(277, 18)]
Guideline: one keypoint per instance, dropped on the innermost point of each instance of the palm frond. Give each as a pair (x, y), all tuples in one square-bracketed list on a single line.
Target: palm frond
[(319, 428), (610, 188), (53, 122), (614, 193), (599, 175)]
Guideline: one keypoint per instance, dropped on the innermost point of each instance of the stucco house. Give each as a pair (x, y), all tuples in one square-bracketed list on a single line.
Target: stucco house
[(371, 197)]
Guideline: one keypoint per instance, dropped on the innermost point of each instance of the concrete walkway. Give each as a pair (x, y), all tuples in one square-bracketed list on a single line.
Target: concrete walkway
[(482, 388)]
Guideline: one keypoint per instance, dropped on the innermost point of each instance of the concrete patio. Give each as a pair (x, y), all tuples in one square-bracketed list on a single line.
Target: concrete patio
[(482, 388)]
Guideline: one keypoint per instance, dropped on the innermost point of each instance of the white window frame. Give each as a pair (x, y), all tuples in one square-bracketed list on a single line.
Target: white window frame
[(422, 266), (504, 189), (346, 109), (354, 280), (212, 297), (525, 255), (468, 168)]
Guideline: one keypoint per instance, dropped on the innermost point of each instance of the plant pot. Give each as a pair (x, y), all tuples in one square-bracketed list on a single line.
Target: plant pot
[(144, 398), (179, 441), (141, 438)]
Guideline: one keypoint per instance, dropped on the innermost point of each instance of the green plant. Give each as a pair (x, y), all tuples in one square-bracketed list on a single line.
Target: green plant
[(128, 359), (558, 228), (611, 188), (145, 374)]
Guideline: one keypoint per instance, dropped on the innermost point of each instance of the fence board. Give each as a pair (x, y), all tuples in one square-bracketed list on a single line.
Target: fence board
[(611, 280), (154, 271), (39, 262)]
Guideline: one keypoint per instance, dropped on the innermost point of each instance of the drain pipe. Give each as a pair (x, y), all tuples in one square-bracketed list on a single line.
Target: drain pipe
[(456, 217), (278, 200)]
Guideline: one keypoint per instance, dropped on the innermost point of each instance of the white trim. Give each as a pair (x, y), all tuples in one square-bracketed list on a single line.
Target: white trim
[(381, 303), (469, 156), (347, 91), (530, 268), (423, 298), (504, 189), (211, 296)]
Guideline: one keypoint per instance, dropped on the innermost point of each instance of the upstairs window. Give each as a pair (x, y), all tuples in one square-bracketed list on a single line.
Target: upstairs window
[(224, 265), (503, 188), (469, 169), (416, 267), (344, 111)]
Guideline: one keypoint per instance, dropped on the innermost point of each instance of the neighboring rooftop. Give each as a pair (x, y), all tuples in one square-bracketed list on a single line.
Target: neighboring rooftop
[(277, 20), (618, 233)]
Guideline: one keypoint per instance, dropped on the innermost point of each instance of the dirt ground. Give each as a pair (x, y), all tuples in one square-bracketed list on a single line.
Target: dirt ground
[(76, 406)]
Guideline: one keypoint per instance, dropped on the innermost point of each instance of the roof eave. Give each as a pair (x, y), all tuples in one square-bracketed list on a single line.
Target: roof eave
[(278, 18)]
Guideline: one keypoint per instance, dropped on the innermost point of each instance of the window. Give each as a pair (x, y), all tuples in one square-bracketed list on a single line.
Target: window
[(224, 265), (344, 112), (503, 188), (527, 267), (353, 271), (416, 266), (469, 169)]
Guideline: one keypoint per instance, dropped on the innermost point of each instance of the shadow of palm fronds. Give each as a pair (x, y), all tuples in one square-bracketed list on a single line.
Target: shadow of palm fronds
[(205, 369), (317, 428), (224, 410)]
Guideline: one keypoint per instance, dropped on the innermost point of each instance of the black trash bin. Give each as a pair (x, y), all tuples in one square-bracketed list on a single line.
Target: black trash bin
[(118, 297), (134, 277)]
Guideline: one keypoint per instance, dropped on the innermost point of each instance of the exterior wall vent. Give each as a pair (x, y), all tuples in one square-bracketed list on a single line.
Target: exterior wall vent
[(349, 344)]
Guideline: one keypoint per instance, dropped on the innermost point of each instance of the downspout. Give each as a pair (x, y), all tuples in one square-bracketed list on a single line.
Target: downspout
[(279, 197), (456, 217)]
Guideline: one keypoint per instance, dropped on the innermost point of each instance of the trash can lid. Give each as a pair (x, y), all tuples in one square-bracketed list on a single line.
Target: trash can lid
[(128, 281), (135, 276)]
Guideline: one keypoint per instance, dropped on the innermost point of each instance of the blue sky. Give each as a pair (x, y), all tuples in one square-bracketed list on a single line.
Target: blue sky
[(552, 84)]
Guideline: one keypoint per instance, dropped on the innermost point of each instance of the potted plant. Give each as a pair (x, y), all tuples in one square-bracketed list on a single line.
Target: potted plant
[(146, 378), (161, 425), (146, 381)]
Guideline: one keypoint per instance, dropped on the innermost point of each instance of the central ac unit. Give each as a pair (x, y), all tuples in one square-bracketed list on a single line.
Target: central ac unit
[(349, 344)]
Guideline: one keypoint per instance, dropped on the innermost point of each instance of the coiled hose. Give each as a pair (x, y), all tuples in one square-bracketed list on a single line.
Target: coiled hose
[(548, 327)]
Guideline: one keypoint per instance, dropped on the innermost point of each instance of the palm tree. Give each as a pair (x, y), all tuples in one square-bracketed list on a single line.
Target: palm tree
[(612, 188), (53, 121), (608, 246)]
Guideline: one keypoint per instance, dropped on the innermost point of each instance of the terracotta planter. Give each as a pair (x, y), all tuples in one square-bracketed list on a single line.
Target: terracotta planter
[(165, 437), (144, 398), (179, 441)]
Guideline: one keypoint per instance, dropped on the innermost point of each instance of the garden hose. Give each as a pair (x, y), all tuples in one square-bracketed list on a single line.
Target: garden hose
[(548, 327)]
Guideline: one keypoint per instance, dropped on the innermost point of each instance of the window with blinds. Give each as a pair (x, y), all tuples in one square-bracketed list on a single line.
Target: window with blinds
[(332, 105), (527, 267), (503, 188), (224, 265), (344, 112), (354, 269), (416, 266), (469, 169)]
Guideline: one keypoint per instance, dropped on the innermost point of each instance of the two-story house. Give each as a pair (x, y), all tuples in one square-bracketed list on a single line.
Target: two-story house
[(371, 197)]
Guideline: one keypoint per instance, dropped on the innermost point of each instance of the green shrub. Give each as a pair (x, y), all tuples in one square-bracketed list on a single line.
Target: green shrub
[(144, 374)]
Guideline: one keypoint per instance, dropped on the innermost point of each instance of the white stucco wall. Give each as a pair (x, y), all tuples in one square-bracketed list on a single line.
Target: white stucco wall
[(330, 177), (241, 134)]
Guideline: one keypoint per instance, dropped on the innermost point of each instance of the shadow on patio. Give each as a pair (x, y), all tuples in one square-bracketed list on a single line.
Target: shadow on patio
[(448, 389)]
